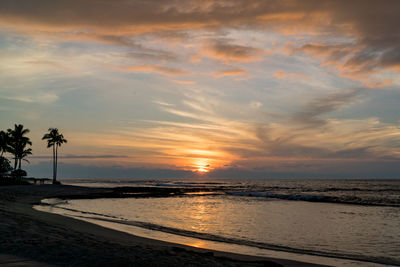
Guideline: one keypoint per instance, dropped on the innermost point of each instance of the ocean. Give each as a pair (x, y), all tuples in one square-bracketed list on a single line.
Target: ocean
[(335, 222)]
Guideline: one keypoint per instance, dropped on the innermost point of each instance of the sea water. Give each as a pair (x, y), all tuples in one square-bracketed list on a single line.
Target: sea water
[(337, 222)]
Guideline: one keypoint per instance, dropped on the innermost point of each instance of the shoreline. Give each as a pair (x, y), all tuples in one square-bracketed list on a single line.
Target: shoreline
[(60, 240)]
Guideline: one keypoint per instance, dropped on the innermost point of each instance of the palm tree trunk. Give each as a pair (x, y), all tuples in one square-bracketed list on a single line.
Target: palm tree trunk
[(15, 162), (56, 159), (54, 164), (19, 164)]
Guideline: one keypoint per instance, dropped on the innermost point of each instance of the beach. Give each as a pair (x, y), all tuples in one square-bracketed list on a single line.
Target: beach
[(63, 241)]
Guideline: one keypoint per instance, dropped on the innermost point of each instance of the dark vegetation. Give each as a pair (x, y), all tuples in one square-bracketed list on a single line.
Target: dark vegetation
[(16, 143)]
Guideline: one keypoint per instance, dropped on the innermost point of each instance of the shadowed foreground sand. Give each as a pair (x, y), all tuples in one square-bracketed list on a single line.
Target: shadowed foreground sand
[(63, 241)]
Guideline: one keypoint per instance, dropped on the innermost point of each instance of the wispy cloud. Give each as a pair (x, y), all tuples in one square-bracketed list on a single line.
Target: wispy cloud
[(51, 64), (169, 71), (230, 72), (281, 74), (227, 52), (184, 82), (162, 103), (42, 98), (310, 114), (69, 156), (221, 141)]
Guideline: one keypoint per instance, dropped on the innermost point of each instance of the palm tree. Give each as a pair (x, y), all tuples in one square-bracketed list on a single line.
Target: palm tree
[(17, 144), (22, 156), (4, 143), (5, 166), (54, 139)]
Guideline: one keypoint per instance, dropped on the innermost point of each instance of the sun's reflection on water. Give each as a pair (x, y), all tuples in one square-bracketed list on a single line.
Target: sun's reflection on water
[(199, 215), (198, 244)]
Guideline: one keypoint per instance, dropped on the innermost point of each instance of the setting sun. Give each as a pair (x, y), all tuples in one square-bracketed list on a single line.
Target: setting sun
[(202, 166)]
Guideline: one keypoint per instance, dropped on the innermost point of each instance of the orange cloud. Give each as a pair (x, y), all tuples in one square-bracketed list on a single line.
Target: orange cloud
[(169, 71), (351, 61), (184, 82), (214, 141), (280, 74), (334, 52), (230, 72), (226, 52), (378, 84), (373, 44)]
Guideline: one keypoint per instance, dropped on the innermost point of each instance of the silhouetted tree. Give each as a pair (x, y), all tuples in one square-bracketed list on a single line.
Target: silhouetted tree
[(17, 144), (22, 156), (54, 139), (4, 143), (5, 166)]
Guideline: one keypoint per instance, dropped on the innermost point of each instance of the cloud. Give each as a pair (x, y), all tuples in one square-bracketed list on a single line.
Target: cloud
[(227, 52), (136, 48), (293, 145), (378, 84), (103, 38), (364, 34), (310, 114), (356, 169), (48, 64), (121, 16), (162, 103), (280, 74), (338, 140), (159, 56), (202, 130), (380, 169), (332, 52), (357, 60), (256, 104), (184, 82), (304, 135), (41, 98), (230, 72), (169, 71), (70, 156), (130, 16), (70, 170)]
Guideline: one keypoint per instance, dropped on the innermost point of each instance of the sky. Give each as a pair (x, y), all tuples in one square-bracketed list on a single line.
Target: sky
[(230, 89)]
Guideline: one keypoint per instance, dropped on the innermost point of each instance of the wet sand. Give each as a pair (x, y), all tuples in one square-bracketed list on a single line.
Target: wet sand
[(62, 241)]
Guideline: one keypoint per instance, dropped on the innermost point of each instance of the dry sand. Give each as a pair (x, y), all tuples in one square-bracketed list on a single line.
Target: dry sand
[(62, 241)]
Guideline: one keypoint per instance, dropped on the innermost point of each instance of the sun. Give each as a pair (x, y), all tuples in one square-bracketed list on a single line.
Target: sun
[(202, 166), (203, 170)]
